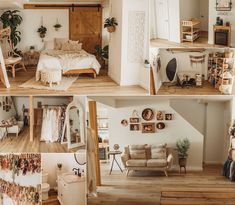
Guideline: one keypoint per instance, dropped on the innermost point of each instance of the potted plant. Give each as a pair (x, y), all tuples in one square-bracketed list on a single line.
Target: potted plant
[(32, 49), (182, 148), (42, 30), (57, 26), (146, 64), (110, 24), (102, 53), (12, 19)]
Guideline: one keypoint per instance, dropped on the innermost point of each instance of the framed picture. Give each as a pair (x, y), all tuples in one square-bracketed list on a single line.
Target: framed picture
[(223, 5), (134, 120), (169, 116), (4, 107), (160, 126), (160, 115), (134, 127), (148, 127), (124, 123), (148, 114)]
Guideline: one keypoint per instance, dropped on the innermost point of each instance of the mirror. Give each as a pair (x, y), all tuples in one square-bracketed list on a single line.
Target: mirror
[(75, 125), (223, 5), (171, 69)]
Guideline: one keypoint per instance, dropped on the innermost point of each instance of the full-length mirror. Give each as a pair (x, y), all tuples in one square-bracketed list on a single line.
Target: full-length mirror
[(75, 125)]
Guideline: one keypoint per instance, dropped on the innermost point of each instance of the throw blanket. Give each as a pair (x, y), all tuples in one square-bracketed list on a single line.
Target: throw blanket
[(68, 59)]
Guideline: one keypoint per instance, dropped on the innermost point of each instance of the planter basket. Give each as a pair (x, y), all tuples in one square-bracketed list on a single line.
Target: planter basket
[(111, 29)]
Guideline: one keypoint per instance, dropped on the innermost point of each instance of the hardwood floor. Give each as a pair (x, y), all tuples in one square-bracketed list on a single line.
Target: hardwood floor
[(22, 144), (206, 89), (85, 84), (142, 188), (52, 199), (201, 42)]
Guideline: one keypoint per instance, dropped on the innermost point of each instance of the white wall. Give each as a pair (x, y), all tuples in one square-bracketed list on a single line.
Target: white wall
[(50, 161), (227, 16), (32, 19), (189, 9), (179, 128), (204, 11)]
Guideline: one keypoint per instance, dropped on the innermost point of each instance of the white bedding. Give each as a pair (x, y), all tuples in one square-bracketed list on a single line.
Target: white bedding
[(66, 60)]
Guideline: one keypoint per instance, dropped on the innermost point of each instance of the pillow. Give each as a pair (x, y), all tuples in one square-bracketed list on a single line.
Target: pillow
[(158, 151), (59, 42), (137, 152), (71, 41), (71, 46), (49, 45)]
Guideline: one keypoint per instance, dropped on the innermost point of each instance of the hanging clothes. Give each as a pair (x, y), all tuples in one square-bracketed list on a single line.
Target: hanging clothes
[(52, 124)]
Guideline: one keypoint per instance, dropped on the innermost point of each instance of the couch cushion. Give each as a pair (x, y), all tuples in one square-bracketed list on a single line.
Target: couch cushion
[(158, 151), (136, 163), (156, 163), (137, 152)]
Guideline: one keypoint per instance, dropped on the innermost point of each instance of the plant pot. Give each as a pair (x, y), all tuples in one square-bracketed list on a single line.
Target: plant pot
[(42, 35), (182, 162), (57, 29), (111, 29)]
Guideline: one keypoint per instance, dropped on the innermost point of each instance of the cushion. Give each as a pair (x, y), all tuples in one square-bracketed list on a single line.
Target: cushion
[(136, 163), (71, 41), (158, 151), (49, 45), (71, 46), (58, 43), (156, 163), (148, 152), (137, 152)]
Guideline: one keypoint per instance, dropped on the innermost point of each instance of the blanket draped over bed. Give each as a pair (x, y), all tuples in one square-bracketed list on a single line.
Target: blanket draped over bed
[(66, 60)]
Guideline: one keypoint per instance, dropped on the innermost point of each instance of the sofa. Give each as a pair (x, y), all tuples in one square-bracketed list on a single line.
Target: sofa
[(15, 127), (155, 157)]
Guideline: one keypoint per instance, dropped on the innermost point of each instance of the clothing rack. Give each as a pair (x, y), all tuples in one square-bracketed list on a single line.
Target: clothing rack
[(54, 105)]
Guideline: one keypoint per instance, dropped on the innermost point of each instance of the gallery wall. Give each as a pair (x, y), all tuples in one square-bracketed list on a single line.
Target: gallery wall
[(4, 115), (179, 128)]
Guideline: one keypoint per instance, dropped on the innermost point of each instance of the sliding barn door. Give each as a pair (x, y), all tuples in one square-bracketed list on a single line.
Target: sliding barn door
[(86, 26)]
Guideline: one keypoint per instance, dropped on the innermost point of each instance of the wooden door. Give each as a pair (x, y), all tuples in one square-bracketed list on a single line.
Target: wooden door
[(38, 115), (86, 26)]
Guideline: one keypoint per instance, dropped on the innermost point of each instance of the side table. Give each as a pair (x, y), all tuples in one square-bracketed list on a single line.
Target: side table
[(114, 154)]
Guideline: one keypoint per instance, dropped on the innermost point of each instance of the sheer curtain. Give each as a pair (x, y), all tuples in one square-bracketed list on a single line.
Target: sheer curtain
[(153, 22)]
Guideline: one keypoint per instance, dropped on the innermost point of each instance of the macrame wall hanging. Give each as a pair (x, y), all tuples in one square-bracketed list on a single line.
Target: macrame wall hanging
[(195, 60), (21, 164), (20, 194)]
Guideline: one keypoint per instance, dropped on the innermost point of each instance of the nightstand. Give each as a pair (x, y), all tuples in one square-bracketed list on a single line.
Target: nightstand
[(31, 58)]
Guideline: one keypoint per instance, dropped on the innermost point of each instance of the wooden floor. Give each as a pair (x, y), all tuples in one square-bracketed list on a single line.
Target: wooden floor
[(22, 144), (201, 42), (84, 85), (52, 199), (206, 89), (144, 188)]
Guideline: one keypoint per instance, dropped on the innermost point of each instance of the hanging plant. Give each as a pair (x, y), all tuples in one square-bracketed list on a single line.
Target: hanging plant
[(110, 24), (42, 30), (57, 26)]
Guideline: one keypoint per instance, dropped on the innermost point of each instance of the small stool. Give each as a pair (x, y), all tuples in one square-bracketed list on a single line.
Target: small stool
[(114, 153), (51, 76)]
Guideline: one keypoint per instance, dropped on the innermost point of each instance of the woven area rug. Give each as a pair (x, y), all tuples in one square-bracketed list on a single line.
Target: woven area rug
[(64, 85)]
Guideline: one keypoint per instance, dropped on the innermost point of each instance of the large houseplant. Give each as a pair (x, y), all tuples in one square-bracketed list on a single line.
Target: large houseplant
[(182, 148), (102, 54), (110, 24), (12, 19)]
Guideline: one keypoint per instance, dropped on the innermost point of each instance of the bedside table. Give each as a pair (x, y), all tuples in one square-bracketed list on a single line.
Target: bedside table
[(31, 58)]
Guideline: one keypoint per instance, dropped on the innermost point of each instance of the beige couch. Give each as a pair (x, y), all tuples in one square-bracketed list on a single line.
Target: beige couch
[(155, 157)]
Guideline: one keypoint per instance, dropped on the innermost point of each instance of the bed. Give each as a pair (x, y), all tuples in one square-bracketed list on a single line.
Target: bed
[(69, 61)]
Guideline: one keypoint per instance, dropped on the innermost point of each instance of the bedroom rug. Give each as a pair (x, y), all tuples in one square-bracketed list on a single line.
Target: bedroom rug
[(64, 85)]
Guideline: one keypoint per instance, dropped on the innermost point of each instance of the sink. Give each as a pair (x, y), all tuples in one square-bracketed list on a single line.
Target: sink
[(71, 178)]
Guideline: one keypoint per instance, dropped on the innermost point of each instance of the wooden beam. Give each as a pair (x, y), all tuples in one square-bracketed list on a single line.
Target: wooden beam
[(31, 118), (94, 127), (152, 82), (59, 6)]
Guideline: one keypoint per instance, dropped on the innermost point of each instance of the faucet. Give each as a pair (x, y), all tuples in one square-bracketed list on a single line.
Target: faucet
[(77, 172)]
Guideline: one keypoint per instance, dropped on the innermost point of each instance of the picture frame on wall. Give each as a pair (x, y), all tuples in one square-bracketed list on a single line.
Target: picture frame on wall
[(160, 126), (148, 114), (124, 122), (160, 115), (134, 127), (168, 116), (134, 120), (148, 128), (223, 5)]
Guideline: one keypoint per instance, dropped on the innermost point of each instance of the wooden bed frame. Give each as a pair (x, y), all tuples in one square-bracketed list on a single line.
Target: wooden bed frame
[(81, 71)]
